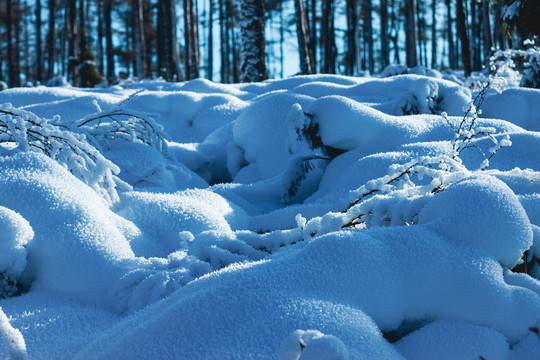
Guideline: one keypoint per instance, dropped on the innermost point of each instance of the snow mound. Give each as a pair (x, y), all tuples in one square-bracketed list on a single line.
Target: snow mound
[(486, 212)]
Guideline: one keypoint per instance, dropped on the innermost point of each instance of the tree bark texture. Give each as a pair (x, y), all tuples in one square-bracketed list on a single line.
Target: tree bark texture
[(252, 53)]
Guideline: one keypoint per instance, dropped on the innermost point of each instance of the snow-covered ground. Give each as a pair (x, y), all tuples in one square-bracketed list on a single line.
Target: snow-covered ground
[(315, 217)]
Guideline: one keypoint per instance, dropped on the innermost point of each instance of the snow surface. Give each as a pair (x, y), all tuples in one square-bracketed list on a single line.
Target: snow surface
[(301, 218)]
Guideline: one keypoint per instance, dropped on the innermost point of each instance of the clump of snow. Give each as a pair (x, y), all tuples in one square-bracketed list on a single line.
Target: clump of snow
[(312, 345), (12, 338), (447, 340), (15, 233)]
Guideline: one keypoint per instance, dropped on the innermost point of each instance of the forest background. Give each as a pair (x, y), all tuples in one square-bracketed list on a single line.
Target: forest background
[(91, 42)]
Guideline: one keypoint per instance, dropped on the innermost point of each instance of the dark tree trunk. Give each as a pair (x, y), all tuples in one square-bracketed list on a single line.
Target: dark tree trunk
[(452, 60), (475, 36), (210, 64), (327, 34), (13, 75), (385, 52), (499, 36), (100, 36), (139, 43), (12, 32), (488, 35), (107, 10), (464, 39), (82, 41), (224, 41), (313, 35), (39, 56), (191, 41), (302, 35), (51, 39), (368, 36), (433, 34), (149, 35), (410, 38), (73, 61), (252, 58)]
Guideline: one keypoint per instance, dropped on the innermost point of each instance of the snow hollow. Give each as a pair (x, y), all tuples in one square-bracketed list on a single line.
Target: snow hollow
[(315, 217)]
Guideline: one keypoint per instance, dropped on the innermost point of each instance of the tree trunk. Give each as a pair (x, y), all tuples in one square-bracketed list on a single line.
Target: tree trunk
[(385, 52), (464, 39), (452, 61), (412, 58), (499, 36), (210, 63), (107, 10), (139, 43), (327, 34), (100, 36), (475, 36), (313, 36), (188, 35), (149, 35), (72, 42), (368, 36), (433, 34), (39, 56), (82, 41), (252, 54), (51, 39), (191, 41), (224, 41), (301, 33), (488, 35)]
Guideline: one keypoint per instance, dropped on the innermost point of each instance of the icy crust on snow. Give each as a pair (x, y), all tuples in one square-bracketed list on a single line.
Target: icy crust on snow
[(268, 220)]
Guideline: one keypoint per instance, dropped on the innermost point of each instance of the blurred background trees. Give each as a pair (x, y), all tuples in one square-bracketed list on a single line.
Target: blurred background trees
[(88, 42)]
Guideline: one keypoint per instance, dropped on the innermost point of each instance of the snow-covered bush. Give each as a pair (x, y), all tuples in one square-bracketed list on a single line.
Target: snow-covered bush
[(507, 64), (27, 132)]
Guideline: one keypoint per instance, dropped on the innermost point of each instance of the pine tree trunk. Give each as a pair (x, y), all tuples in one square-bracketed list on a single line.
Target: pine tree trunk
[(452, 61), (224, 42), (51, 39), (327, 36), (499, 36), (139, 44), (191, 41), (10, 58), (39, 56), (464, 39), (368, 35), (73, 61), (188, 35), (149, 35), (252, 54), (410, 39), (433, 34), (301, 33), (313, 36), (82, 41), (100, 36), (488, 35), (210, 63), (385, 52), (107, 10)]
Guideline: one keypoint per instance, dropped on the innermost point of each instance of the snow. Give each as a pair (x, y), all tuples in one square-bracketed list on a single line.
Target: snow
[(305, 218)]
